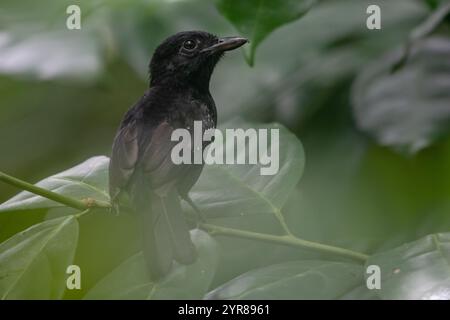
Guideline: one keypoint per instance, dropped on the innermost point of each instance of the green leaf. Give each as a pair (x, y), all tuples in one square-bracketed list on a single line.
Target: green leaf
[(294, 280), (78, 55), (33, 263), (430, 26), (416, 270), (433, 4), (410, 108), (14, 222), (247, 191), (49, 50), (130, 279), (360, 293), (256, 19), (86, 180)]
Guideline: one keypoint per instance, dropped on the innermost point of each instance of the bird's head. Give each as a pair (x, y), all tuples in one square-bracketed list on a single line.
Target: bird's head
[(189, 58)]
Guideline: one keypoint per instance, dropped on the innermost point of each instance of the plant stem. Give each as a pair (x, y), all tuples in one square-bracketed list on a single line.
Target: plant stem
[(288, 240), (80, 214), (283, 223), (68, 201)]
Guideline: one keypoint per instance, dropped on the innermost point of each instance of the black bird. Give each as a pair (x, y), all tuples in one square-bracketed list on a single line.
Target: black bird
[(141, 164)]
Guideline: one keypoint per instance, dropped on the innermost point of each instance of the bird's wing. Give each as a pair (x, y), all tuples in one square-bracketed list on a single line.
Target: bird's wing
[(156, 158), (154, 191), (150, 152), (124, 157)]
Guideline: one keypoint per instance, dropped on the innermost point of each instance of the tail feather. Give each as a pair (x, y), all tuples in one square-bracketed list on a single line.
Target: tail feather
[(165, 231)]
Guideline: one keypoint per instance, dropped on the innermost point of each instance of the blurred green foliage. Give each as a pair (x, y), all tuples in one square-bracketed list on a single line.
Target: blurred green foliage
[(376, 140), (256, 19)]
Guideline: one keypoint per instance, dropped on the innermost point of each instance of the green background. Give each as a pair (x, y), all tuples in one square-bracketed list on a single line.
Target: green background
[(370, 107)]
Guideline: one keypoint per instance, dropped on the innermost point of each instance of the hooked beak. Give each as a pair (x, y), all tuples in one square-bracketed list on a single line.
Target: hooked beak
[(226, 44)]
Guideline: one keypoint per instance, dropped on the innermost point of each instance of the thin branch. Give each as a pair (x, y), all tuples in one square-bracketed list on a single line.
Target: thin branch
[(288, 240), (80, 214), (279, 215), (67, 201)]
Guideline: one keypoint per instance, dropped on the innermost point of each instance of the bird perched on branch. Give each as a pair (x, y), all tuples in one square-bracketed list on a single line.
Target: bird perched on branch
[(141, 165)]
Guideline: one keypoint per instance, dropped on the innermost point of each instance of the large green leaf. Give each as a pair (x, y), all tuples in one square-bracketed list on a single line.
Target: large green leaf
[(37, 34), (33, 263), (78, 55), (410, 108), (294, 280), (247, 191), (360, 293), (86, 180), (256, 19), (416, 270), (130, 280)]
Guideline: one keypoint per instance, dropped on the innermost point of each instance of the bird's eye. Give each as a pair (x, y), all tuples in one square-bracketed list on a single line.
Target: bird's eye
[(190, 45)]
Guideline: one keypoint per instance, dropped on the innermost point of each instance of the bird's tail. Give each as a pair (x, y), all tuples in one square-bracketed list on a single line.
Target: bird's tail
[(165, 231)]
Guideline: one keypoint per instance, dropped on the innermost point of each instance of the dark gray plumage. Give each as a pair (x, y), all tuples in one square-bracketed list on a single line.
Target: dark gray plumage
[(141, 163)]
